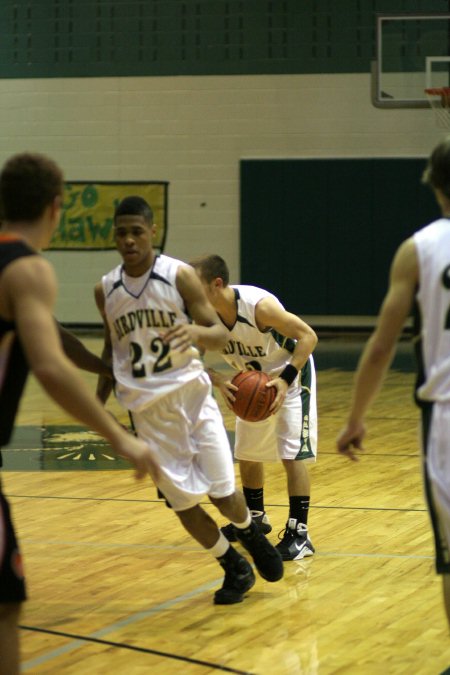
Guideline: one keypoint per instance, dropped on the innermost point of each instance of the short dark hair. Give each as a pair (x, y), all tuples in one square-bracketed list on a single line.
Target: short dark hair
[(437, 172), (29, 182), (134, 206), (211, 267)]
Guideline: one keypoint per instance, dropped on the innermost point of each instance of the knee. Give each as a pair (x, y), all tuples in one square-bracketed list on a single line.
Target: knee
[(216, 502), (222, 502), (295, 466), (187, 514), (192, 517)]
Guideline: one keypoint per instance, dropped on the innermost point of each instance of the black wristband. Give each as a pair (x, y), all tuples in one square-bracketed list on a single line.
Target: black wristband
[(289, 373)]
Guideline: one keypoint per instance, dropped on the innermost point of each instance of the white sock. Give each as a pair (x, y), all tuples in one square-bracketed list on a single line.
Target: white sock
[(245, 523), (220, 547)]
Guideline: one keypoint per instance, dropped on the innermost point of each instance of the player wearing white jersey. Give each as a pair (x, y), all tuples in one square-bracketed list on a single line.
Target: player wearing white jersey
[(264, 336), (139, 309), (147, 304), (420, 279)]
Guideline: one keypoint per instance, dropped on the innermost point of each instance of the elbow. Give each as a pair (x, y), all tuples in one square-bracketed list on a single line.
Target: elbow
[(311, 339)]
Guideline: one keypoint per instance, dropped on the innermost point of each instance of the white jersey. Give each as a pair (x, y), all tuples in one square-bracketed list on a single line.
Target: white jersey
[(249, 348), (138, 311), (292, 432), (433, 298)]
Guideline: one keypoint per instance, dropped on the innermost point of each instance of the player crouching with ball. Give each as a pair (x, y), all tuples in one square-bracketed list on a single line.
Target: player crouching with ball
[(265, 337)]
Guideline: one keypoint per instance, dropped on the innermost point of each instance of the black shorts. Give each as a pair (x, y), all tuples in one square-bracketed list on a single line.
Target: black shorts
[(12, 582)]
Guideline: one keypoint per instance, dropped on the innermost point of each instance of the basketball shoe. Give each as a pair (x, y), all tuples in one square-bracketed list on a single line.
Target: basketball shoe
[(295, 543), (239, 578), (267, 559), (258, 517)]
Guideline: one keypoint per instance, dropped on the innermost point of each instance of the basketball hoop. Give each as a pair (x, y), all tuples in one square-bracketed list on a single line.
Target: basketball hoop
[(439, 98)]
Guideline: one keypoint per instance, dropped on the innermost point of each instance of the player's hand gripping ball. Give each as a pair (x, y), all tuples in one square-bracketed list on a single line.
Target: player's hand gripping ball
[(253, 398)]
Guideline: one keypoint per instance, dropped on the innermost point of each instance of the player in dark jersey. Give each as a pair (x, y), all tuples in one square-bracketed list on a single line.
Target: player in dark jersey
[(31, 188)]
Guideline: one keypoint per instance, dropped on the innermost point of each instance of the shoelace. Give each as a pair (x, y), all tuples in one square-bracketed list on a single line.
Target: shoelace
[(286, 533)]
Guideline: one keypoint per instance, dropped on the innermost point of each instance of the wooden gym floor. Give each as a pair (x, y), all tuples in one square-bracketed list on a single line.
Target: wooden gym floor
[(116, 586)]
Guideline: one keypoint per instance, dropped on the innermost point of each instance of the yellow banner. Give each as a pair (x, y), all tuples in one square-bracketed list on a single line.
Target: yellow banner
[(88, 212)]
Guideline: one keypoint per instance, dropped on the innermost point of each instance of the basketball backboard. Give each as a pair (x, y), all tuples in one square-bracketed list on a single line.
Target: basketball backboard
[(412, 54)]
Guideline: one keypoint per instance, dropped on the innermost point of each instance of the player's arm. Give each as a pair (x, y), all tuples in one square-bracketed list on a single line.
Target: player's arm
[(270, 313), (379, 350), (207, 332), (80, 355), (217, 378), (225, 385), (104, 383), (31, 293)]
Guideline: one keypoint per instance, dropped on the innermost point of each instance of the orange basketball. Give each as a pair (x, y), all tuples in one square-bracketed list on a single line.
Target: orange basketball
[(253, 398)]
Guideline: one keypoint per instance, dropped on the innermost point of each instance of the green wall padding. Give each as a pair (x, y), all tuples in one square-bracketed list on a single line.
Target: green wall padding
[(321, 233)]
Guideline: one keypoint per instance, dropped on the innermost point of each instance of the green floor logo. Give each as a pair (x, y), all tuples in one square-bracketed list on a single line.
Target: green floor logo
[(62, 448), (59, 448)]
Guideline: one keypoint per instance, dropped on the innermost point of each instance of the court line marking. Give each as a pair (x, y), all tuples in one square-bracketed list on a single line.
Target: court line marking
[(158, 501), (81, 639), (133, 618)]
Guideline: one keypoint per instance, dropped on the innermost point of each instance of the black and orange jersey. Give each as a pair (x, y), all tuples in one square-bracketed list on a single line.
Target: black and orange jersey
[(13, 365)]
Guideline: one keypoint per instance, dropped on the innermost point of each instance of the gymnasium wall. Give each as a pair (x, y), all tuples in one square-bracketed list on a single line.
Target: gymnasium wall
[(184, 92)]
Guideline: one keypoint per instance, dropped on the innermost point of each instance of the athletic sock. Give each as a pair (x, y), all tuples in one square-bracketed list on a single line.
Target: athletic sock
[(245, 523), (221, 546), (254, 498), (229, 557), (298, 508)]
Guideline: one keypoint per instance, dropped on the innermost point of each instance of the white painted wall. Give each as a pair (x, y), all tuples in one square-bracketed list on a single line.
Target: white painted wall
[(192, 132)]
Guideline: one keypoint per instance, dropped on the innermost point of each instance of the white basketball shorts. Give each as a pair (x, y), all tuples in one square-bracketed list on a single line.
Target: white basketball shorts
[(186, 432), (290, 434)]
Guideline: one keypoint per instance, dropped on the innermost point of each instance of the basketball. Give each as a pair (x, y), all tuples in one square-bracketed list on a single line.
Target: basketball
[(253, 399)]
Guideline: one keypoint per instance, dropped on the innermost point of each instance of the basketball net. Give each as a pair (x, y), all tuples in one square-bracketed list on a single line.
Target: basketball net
[(439, 99)]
